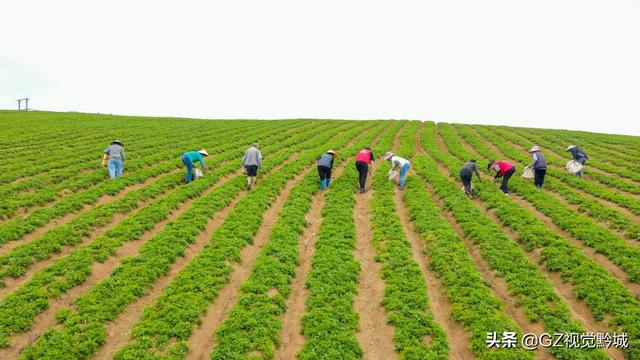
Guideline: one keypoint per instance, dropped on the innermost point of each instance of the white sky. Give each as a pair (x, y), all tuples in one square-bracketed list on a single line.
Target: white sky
[(571, 64)]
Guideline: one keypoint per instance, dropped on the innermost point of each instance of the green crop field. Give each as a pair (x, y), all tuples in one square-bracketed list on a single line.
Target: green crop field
[(147, 267)]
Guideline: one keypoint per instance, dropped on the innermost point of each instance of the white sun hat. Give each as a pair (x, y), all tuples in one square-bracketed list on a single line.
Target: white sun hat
[(388, 155), (570, 147), (331, 152), (204, 152), (535, 148)]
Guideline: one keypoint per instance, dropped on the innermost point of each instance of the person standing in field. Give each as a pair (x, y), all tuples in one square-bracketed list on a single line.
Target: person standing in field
[(189, 159), (115, 152), (252, 160), (325, 164), (504, 170), (539, 165), (579, 156), (398, 164), (364, 158), (466, 174)]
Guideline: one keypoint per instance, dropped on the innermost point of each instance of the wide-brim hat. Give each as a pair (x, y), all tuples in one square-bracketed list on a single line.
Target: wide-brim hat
[(570, 147), (204, 152), (117, 142), (534, 148), (331, 152), (388, 155)]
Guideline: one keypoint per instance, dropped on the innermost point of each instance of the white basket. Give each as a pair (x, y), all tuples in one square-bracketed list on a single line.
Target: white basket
[(528, 173), (574, 167), (197, 173), (392, 174)]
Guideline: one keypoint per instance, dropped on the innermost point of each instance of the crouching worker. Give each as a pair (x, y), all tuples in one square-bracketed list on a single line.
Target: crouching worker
[(325, 164), (115, 164), (363, 160), (189, 159), (398, 164), (466, 174), (579, 156), (252, 160), (504, 170)]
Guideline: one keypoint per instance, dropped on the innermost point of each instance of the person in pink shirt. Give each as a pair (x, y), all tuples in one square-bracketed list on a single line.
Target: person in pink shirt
[(504, 170), (364, 158)]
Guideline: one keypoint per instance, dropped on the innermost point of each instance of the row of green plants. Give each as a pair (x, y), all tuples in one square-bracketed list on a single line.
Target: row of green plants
[(152, 154), (20, 259), (199, 283), (585, 204), (405, 296), (602, 293), (83, 327), (474, 305), (627, 202), (330, 323), (16, 228), (83, 170), (532, 289), (604, 179), (582, 228), (597, 159), (614, 145), (19, 308), (78, 136)]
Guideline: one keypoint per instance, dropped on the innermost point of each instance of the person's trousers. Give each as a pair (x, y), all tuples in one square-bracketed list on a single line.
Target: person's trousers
[(538, 179), (115, 166), (363, 170), (187, 162), (403, 175), (325, 177), (505, 180), (466, 176), (582, 161)]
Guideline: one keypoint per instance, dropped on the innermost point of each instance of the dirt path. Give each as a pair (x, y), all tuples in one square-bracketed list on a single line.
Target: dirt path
[(55, 222), (375, 334), (457, 337), (602, 259), (578, 309), (558, 196), (118, 329), (99, 271), (291, 338), (202, 340)]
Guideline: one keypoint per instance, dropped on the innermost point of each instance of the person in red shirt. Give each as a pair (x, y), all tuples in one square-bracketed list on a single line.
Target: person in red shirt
[(363, 159), (504, 170)]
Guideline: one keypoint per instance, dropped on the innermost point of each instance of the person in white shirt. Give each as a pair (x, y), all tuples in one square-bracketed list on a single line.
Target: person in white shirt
[(252, 160), (398, 164)]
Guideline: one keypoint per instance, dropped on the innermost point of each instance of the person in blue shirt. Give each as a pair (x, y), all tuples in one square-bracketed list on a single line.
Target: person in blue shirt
[(191, 157)]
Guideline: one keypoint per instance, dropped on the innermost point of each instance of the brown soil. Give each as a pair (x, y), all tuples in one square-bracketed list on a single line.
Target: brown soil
[(613, 269), (578, 309), (202, 340), (99, 271), (458, 338), (375, 334), (291, 338), (118, 330), (559, 197)]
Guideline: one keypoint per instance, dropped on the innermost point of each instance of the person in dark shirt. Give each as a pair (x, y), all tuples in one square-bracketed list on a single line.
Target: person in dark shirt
[(466, 174), (579, 156)]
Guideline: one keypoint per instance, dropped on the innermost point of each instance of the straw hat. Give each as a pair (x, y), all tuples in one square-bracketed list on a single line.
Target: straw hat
[(388, 155), (570, 147), (331, 152), (117, 142), (535, 148), (204, 152)]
